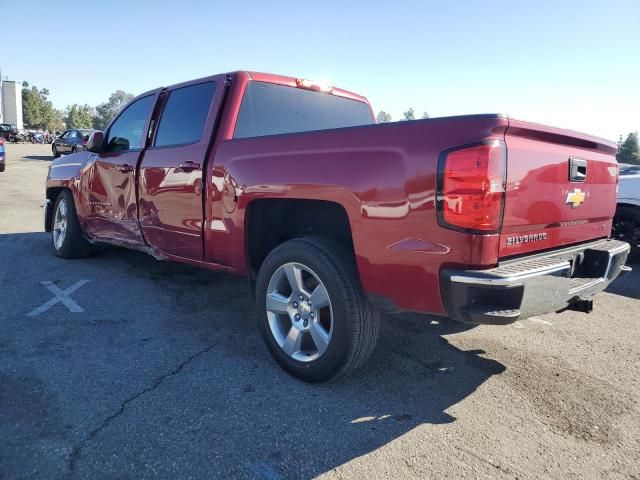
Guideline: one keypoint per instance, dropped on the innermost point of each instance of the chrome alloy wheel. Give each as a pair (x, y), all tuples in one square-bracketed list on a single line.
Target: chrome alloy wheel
[(299, 312), (60, 222)]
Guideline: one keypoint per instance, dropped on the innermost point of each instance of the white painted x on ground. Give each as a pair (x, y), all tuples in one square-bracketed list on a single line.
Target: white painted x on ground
[(61, 296)]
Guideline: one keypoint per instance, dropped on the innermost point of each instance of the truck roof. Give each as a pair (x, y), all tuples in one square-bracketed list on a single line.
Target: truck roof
[(270, 78), (292, 82)]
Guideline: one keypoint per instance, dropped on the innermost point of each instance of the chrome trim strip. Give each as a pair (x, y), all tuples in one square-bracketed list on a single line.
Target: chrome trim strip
[(487, 277), (509, 281), (66, 165), (586, 286)]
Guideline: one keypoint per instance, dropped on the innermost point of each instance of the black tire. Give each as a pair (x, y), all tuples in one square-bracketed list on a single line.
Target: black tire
[(355, 322), (74, 149), (73, 244), (626, 227), (56, 154), (2, 167)]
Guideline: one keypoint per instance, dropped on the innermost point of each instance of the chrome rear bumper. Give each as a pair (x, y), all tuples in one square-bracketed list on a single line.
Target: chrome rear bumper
[(533, 285)]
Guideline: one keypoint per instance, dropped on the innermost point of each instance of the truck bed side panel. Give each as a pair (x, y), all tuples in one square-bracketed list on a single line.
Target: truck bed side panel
[(383, 176)]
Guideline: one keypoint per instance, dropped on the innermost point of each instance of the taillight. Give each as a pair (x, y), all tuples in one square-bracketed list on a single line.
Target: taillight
[(472, 186)]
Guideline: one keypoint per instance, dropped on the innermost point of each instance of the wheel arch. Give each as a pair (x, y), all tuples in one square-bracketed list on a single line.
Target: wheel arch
[(52, 194), (67, 174), (269, 222)]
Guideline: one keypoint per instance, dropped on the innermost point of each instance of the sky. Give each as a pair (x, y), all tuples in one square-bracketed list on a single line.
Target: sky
[(573, 64)]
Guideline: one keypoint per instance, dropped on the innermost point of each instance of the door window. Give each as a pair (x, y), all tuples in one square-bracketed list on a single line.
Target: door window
[(126, 133), (65, 134), (185, 115), (73, 134)]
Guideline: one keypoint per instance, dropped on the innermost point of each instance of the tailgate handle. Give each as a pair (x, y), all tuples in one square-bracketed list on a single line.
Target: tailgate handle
[(577, 169)]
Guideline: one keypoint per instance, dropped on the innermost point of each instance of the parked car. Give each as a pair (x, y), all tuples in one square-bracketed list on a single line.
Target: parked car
[(626, 169), (8, 132), (2, 155), (626, 223), (71, 141), (333, 218)]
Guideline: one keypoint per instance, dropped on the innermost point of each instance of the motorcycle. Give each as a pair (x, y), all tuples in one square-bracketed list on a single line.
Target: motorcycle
[(37, 137), (21, 136)]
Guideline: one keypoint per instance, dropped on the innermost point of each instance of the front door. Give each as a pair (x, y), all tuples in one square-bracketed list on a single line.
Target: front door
[(170, 185), (111, 185)]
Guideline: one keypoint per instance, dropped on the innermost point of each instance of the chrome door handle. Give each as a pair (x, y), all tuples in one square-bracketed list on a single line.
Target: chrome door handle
[(188, 166), (124, 168)]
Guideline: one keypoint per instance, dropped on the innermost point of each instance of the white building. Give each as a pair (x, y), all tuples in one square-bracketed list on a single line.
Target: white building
[(11, 103)]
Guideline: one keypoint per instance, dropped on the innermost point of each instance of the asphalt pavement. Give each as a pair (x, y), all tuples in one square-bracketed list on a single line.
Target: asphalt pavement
[(122, 366)]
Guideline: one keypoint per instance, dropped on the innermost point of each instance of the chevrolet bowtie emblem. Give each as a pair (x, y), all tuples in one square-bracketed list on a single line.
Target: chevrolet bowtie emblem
[(575, 198)]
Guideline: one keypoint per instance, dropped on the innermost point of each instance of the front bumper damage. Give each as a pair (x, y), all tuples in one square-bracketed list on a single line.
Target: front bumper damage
[(534, 285)]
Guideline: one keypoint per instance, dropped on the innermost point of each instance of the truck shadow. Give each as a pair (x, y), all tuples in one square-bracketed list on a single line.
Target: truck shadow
[(413, 378), (227, 410)]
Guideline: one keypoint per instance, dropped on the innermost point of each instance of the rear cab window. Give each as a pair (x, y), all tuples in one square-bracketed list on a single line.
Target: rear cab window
[(272, 109)]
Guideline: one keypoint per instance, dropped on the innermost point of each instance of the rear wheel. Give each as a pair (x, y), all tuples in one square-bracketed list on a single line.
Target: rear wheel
[(66, 234), (312, 313), (626, 227)]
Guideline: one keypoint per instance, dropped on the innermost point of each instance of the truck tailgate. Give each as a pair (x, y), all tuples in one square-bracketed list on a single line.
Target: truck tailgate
[(561, 188)]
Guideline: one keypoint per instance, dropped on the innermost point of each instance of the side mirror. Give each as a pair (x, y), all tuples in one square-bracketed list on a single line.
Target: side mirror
[(119, 144), (95, 143)]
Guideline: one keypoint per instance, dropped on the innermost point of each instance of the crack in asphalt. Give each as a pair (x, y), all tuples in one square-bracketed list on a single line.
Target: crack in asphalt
[(428, 367), (77, 450), (502, 468)]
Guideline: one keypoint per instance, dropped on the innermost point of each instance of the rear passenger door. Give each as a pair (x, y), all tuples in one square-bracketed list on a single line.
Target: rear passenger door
[(170, 177)]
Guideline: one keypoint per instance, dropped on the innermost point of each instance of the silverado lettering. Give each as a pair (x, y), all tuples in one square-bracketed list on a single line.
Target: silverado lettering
[(534, 237)]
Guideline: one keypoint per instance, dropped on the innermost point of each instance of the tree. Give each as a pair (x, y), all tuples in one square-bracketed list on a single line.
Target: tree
[(105, 112), (629, 150), (53, 121), (425, 115), (409, 114), (383, 117), (79, 116), (37, 109)]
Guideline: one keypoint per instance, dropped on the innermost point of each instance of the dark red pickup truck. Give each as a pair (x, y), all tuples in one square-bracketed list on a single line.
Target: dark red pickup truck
[(481, 218)]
